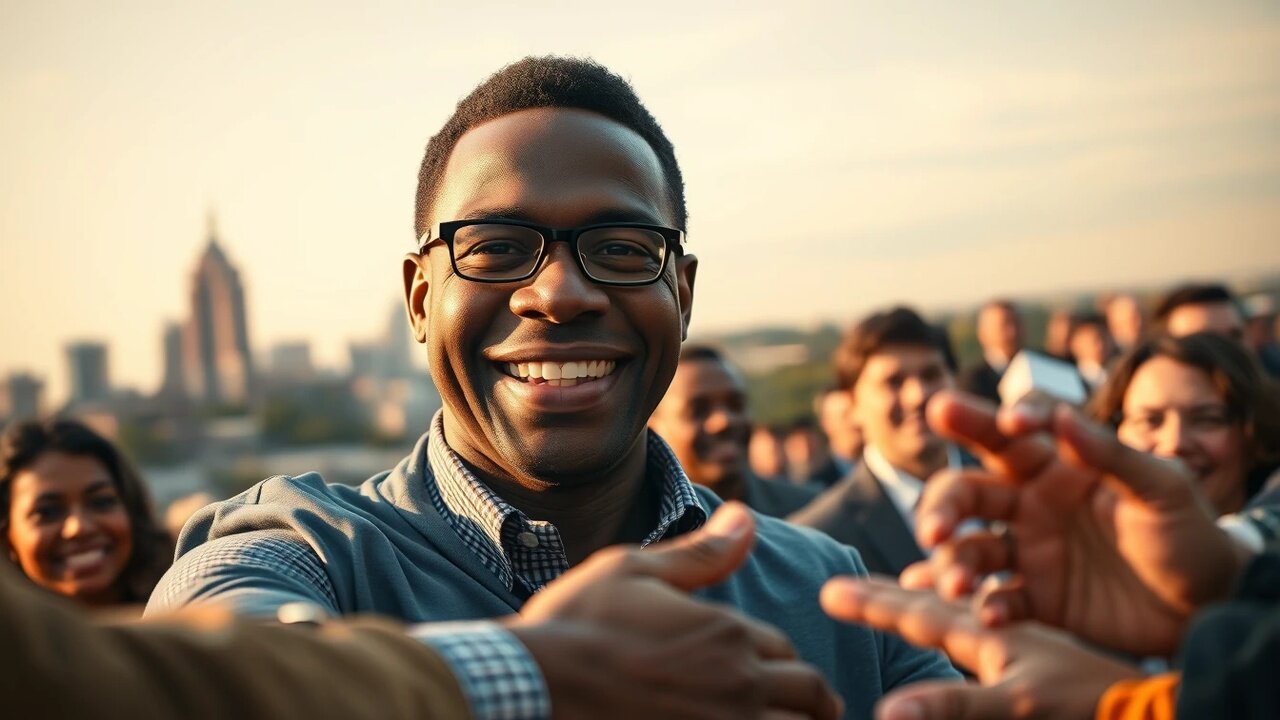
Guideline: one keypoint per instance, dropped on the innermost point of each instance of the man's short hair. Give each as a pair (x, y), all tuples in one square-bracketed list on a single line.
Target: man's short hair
[(1192, 294), (692, 351), (1000, 303), (899, 326), (1083, 320), (536, 82)]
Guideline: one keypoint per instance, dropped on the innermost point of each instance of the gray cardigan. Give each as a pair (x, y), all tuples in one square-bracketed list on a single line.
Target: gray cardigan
[(382, 548)]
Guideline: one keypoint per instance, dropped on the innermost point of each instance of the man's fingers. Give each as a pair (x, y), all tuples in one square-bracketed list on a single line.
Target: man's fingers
[(940, 700), (951, 496), (797, 687), (917, 576), (919, 616), (972, 421), (997, 604), (701, 558), (959, 563), (1088, 445), (1033, 413)]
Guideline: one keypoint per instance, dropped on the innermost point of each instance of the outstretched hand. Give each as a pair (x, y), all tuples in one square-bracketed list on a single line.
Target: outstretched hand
[(1114, 545), (618, 635), (1025, 671)]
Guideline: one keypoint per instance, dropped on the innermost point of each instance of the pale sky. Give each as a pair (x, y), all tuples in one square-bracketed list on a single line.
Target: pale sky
[(838, 155)]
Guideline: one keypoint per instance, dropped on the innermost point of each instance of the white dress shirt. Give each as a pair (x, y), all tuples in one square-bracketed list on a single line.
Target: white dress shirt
[(902, 487)]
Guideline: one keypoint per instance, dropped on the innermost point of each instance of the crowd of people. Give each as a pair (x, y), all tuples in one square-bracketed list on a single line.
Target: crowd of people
[(593, 524)]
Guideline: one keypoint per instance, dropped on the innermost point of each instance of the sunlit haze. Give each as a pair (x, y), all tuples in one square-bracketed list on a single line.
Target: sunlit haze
[(838, 155)]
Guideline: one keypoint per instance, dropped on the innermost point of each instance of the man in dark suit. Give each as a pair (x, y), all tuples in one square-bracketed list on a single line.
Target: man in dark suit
[(1000, 335), (893, 362), (705, 420)]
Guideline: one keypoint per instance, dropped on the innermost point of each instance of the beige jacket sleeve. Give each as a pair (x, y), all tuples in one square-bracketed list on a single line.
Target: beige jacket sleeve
[(56, 661)]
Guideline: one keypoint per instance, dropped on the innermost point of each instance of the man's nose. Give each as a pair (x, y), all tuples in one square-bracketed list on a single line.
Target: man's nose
[(559, 293), (720, 420)]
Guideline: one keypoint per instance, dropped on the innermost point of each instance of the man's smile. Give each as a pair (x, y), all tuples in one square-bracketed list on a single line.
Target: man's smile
[(559, 374)]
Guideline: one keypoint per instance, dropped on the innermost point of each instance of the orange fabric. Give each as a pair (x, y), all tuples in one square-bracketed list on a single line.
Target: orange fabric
[(1146, 699)]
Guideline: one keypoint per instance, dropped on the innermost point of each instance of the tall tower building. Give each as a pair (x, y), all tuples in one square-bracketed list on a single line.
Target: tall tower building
[(218, 366), (20, 397), (87, 362), (175, 383)]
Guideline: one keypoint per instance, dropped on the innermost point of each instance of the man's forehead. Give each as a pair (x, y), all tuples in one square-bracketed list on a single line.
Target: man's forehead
[(893, 357), (703, 374), (541, 159)]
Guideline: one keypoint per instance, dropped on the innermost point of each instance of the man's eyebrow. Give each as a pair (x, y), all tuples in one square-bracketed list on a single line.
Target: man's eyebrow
[(516, 212)]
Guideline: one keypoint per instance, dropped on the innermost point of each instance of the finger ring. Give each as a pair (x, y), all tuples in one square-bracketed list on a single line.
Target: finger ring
[(1002, 530)]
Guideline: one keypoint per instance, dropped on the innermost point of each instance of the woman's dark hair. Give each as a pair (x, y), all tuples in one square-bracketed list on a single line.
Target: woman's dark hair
[(22, 443), (1251, 397)]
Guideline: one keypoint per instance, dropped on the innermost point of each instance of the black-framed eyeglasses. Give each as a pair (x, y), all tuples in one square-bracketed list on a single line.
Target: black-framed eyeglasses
[(495, 251)]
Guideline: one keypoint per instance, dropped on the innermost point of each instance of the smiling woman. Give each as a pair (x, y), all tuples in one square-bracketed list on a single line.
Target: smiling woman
[(1202, 399), (75, 516)]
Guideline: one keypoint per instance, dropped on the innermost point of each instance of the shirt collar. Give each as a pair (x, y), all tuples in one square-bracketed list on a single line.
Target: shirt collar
[(903, 488), (494, 529)]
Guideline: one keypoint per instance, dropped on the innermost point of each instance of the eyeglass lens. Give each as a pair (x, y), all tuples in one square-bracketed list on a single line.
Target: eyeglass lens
[(509, 252)]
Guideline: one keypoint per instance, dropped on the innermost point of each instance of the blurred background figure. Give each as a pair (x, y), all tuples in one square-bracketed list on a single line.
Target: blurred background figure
[(1125, 320), (894, 362), (1000, 333), (1194, 308), (75, 515), (765, 454), (1057, 334), (181, 510), (1091, 346), (704, 418), (809, 459), (1202, 399), (834, 408), (1260, 331)]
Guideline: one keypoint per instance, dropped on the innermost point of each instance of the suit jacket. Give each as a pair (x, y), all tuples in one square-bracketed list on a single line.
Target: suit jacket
[(777, 498), (201, 663), (982, 380), (856, 511)]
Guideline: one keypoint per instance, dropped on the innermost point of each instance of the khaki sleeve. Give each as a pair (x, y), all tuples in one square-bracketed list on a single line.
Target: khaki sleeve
[(57, 662)]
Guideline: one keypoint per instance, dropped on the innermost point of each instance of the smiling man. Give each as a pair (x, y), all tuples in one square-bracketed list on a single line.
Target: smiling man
[(705, 419), (552, 291), (893, 362)]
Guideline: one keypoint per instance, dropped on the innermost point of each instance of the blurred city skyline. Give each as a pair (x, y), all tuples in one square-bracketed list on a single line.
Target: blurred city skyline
[(933, 153)]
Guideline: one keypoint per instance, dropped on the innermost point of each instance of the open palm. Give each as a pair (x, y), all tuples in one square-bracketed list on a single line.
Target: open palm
[(1111, 544)]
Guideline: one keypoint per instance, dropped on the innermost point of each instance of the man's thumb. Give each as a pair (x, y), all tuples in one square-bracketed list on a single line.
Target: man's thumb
[(1136, 473), (706, 556)]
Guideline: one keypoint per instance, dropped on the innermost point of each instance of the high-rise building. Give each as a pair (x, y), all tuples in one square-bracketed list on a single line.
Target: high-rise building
[(20, 399), (291, 361), (87, 361), (218, 366), (175, 383)]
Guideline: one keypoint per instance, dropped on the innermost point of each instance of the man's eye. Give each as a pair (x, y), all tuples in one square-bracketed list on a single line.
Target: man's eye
[(622, 249), (497, 247)]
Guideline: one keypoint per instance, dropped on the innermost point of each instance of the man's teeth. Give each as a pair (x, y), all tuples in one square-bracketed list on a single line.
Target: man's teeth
[(562, 374)]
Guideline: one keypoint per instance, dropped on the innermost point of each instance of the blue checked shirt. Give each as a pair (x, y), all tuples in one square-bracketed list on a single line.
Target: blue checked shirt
[(530, 552), (497, 674)]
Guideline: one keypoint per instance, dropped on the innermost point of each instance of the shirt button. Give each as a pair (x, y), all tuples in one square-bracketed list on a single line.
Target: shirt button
[(528, 539)]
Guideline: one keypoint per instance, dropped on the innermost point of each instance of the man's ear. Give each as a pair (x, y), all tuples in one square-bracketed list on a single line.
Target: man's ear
[(686, 271), (416, 269)]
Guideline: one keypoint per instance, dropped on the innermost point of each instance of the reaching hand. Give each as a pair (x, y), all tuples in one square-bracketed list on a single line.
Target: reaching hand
[(1025, 671), (1112, 544), (618, 636)]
